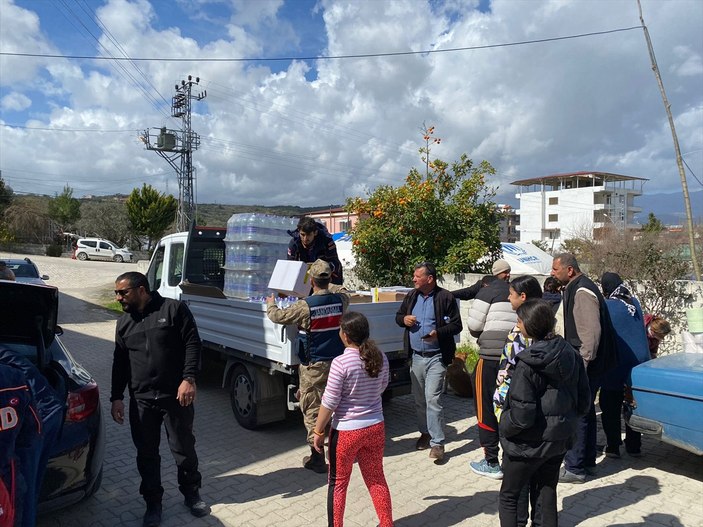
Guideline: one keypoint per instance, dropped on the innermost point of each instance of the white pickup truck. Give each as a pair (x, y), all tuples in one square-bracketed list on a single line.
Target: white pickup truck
[(260, 357)]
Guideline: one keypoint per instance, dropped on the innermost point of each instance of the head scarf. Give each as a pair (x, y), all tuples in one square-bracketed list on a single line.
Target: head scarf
[(614, 289)]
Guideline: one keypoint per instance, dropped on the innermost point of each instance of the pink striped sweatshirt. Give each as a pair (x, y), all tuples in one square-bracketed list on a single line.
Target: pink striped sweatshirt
[(353, 396)]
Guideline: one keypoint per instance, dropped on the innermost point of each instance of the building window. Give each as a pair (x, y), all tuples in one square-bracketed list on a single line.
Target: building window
[(344, 225), (554, 217), (554, 201)]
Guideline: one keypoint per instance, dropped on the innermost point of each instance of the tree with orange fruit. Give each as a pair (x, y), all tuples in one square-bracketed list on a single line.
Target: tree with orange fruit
[(445, 216)]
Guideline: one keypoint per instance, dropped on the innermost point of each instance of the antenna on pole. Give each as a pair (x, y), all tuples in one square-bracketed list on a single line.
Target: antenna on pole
[(177, 146)]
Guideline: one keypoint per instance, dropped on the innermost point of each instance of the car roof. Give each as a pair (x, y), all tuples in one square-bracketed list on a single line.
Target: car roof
[(16, 261)]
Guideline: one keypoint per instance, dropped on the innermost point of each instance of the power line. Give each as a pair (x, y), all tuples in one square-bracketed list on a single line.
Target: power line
[(48, 129), (323, 57)]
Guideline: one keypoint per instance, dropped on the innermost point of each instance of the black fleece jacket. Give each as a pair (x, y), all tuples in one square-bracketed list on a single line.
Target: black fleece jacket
[(155, 350), (548, 392), (444, 306)]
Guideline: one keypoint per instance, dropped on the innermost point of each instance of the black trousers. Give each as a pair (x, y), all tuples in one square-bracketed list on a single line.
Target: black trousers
[(543, 475), (484, 385), (145, 419), (583, 453), (611, 408)]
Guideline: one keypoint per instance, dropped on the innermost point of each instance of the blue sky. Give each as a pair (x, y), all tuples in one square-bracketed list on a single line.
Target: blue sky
[(316, 132)]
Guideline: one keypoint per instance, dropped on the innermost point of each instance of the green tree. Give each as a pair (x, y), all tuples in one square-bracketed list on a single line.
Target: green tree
[(445, 216), (26, 220), (150, 213), (105, 219), (541, 244), (6, 196), (64, 209), (653, 224)]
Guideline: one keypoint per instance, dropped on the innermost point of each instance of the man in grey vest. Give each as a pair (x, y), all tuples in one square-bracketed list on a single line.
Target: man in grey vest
[(587, 328)]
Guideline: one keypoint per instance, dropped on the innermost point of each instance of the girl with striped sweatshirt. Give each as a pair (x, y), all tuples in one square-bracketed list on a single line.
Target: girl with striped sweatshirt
[(352, 401)]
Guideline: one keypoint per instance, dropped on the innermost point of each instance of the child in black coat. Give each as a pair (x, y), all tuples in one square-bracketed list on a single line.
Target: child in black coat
[(548, 392)]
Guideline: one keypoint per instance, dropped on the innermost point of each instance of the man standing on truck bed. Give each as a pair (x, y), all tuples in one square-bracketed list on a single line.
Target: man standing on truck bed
[(311, 241), (157, 356), (317, 317)]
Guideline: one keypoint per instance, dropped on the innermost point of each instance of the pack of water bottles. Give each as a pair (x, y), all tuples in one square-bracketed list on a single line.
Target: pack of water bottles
[(253, 244)]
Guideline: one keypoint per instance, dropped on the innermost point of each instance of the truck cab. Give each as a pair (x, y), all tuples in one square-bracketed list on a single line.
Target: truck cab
[(198, 257)]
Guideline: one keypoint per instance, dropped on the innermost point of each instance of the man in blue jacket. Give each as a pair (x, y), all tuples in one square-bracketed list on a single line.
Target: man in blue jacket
[(20, 431), (632, 349)]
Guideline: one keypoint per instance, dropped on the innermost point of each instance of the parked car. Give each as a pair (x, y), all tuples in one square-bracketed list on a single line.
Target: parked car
[(28, 327), (669, 395), (25, 270), (99, 249)]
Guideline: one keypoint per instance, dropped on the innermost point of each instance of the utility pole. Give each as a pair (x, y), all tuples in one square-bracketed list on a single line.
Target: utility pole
[(177, 146), (677, 150)]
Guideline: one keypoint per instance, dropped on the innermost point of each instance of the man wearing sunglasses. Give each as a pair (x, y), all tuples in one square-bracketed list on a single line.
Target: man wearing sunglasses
[(157, 357)]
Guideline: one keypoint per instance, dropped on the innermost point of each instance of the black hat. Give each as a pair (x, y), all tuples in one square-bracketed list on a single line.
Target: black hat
[(609, 283)]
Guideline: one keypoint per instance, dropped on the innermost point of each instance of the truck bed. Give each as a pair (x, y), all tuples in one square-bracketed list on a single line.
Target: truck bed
[(254, 334)]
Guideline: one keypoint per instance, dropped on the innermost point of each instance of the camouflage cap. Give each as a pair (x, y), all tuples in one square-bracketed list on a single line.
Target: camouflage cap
[(320, 270)]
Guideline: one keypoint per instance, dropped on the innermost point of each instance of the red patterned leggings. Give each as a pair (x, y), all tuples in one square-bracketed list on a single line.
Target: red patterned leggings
[(365, 446)]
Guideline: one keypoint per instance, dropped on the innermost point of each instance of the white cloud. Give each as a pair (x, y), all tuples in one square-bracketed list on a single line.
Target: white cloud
[(315, 133), (15, 102)]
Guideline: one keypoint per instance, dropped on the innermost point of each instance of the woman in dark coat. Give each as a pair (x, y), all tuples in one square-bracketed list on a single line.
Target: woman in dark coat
[(548, 392)]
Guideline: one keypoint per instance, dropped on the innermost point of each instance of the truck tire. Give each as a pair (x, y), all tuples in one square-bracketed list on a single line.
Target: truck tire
[(242, 397), (82, 256), (117, 258)]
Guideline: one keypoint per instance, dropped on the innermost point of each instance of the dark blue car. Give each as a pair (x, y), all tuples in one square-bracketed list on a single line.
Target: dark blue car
[(28, 327)]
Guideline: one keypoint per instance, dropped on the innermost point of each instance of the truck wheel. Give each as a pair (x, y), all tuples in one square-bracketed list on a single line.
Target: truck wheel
[(82, 257), (242, 398), (117, 258)]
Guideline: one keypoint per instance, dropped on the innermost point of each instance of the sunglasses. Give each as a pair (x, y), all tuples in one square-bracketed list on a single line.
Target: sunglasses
[(123, 292)]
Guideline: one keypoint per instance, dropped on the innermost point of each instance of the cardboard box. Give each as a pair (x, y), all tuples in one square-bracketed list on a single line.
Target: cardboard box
[(358, 298), (201, 290), (291, 278), (391, 296)]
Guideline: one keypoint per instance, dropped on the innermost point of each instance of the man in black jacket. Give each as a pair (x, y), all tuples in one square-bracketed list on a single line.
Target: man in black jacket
[(310, 242), (431, 318), (491, 317), (157, 357)]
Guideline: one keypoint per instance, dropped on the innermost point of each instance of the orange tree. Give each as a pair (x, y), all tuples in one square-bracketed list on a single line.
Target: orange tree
[(445, 216)]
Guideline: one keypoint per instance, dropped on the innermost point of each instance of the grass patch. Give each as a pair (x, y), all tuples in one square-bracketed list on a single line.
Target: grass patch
[(114, 305)]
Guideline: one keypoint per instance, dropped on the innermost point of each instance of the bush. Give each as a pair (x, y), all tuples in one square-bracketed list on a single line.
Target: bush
[(469, 354), (54, 250)]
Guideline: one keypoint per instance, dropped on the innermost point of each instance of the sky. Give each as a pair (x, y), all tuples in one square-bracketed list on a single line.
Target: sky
[(294, 115)]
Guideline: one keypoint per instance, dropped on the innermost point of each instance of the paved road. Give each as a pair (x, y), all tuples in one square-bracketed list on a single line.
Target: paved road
[(256, 479)]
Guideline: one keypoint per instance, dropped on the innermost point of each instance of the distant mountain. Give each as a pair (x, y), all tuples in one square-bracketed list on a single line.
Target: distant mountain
[(668, 208)]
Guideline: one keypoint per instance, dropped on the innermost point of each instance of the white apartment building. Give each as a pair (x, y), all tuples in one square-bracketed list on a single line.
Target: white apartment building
[(562, 206)]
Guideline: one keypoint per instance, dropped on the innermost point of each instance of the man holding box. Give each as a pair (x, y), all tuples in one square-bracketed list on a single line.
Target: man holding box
[(311, 241), (317, 318)]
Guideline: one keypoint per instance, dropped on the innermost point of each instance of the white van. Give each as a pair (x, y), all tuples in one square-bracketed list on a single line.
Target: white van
[(98, 249)]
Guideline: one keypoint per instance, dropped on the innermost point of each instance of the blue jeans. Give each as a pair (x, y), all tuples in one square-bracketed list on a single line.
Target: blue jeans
[(427, 378)]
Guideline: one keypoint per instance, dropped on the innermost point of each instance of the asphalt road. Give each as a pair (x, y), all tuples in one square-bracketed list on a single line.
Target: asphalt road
[(255, 478)]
